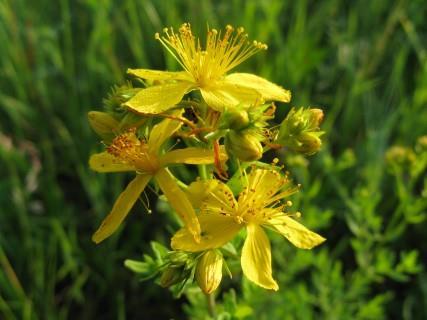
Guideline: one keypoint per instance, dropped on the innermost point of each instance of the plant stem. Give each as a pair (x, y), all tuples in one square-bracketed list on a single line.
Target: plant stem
[(211, 304), (203, 172)]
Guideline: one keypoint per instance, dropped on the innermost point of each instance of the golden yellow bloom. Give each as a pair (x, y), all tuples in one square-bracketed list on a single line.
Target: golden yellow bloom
[(129, 153), (205, 70), (259, 204)]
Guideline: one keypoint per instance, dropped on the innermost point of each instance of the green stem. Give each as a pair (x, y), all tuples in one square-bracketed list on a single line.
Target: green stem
[(203, 172), (211, 304)]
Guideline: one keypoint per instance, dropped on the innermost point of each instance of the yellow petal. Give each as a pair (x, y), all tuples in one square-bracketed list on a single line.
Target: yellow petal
[(262, 185), (160, 98), (226, 94), (198, 191), (267, 89), (256, 258), (179, 201), (163, 130), (121, 208), (217, 230), (106, 162), (159, 75), (295, 232), (191, 156), (215, 197)]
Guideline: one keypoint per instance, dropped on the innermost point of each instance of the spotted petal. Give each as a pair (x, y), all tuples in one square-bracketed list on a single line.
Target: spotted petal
[(106, 162), (217, 230), (295, 232)]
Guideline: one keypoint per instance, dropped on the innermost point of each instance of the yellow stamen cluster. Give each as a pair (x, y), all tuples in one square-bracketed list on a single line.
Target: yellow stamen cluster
[(129, 149), (262, 198), (222, 52)]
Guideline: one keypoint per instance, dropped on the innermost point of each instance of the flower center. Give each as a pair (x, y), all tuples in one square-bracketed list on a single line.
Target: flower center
[(222, 52), (263, 197), (129, 149)]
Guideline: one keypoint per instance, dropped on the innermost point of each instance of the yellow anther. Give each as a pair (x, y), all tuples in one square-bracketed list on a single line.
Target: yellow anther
[(157, 36)]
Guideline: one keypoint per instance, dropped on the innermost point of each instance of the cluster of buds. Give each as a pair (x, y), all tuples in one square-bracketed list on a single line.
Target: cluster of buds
[(245, 131), (412, 161), (223, 123), (177, 269), (300, 130)]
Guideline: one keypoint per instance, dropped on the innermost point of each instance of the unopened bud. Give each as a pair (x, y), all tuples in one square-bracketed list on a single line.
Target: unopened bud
[(102, 123), (170, 277), (178, 258), (421, 145), (308, 143), (246, 146), (398, 156), (317, 116), (236, 119), (300, 130), (209, 271)]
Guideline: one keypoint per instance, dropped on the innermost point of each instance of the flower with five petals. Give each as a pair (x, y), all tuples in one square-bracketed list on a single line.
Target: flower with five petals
[(205, 70), (127, 152), (259, 205)]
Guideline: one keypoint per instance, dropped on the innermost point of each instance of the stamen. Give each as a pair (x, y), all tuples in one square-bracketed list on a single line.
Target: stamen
[(219, 55), (129, 149)]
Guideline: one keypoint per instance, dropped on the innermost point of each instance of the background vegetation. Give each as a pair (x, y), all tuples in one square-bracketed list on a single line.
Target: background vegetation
[(364, 62)]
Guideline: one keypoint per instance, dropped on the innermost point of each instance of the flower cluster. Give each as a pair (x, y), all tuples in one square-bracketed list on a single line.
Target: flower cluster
[(222, 123)]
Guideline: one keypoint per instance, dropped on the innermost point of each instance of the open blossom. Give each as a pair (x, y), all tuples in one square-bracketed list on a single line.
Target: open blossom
[(127, 152), (259, 205), (205, 69)]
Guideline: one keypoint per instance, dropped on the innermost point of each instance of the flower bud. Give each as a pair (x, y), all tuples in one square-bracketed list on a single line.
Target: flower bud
[(179, 258), (421, 145), (102, 123), (209, 271), (170, 277), (236, 119), (300, 130), (400, 157), (119, 95), (308, 143), (246, 146)]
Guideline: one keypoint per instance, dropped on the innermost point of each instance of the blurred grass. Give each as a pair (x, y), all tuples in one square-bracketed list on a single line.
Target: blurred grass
[(364, 63)]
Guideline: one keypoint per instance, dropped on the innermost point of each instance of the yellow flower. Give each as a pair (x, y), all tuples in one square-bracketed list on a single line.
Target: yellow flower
[(129, 153), (205, 70), (222, 217)]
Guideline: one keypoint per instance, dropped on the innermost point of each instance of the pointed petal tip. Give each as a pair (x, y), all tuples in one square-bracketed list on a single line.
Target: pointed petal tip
[(97, 238)]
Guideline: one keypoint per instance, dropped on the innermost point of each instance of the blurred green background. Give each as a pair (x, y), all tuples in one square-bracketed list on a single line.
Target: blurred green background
[(364, 62)]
